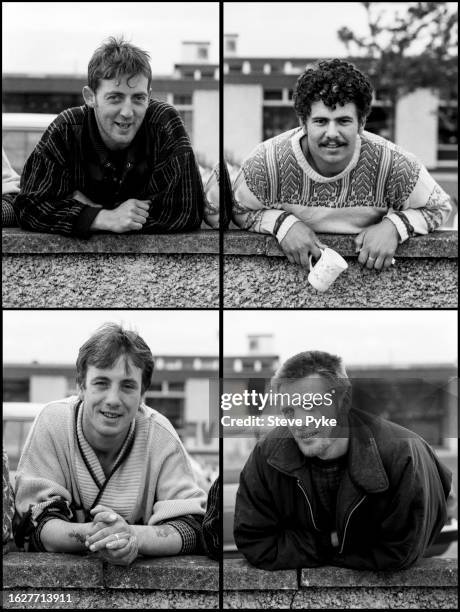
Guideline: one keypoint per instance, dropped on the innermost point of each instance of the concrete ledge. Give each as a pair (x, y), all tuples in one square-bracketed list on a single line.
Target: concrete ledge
[(188, 573), (22, 570), (438, 244), (427, 572), (431, 584), (239, 575), (30, 580), (258, 275), (18, 241)]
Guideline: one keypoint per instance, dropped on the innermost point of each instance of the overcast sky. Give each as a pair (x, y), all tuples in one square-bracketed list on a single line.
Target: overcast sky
[(54, 336), (60, 37), (359, 337)]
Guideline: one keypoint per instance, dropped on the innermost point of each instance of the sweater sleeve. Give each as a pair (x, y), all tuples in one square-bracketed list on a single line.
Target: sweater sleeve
[(45, 202), (41, 489), (426, 208), (179, 501)]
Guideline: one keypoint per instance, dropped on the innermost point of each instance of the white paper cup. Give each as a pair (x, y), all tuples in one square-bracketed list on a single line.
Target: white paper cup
[(326, 270)]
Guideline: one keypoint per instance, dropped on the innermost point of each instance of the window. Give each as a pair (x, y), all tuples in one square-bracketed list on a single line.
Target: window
[(273, 94), (278, 119), (182, 99), (16, 390), (202, 53), (170, 407), (230, 46)]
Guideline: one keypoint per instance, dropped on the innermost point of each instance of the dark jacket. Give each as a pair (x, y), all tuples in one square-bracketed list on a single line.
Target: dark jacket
[(391, 502), (159, 165)]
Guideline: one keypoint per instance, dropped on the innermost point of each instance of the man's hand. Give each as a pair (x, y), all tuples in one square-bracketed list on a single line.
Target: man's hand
[(112, 537), (300, 242), (377, 244), (127, 217)]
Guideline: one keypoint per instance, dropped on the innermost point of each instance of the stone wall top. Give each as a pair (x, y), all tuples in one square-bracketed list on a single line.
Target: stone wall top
[(440, 244), (60, 570)]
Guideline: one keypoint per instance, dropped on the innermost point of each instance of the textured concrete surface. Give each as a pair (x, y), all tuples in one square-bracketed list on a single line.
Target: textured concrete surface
[(437, 244), (257, 275), (39, 569), (172, 582), (111, 281), (88, 599), (240, 575), (188, 573), (272, 282), (430, 571), (15, 240), (345, 598)]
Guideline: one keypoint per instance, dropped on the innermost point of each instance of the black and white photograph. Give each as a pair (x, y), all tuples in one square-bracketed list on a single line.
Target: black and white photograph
[(344, 163), (352, 480), (110, 145), (109, 465)]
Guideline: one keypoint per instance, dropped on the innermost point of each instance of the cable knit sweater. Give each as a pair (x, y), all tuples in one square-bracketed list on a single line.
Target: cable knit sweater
[(276, 187), (59, 474)]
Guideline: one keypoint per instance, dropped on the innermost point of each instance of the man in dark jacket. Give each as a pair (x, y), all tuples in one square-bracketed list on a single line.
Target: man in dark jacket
[(349, 489), (120, 163)]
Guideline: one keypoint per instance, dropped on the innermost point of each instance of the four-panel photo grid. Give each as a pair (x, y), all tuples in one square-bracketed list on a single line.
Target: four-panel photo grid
[(229, 305)]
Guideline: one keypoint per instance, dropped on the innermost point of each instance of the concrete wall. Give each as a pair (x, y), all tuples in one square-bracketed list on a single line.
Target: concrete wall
[(417, 125), (431, 584), (206, 125), (86, 582), (243, 119), (258, 275), (110, 271)]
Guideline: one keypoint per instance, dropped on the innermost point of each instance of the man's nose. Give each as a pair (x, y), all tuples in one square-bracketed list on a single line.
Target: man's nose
[(112, 397), (127, 109), (331, 131)]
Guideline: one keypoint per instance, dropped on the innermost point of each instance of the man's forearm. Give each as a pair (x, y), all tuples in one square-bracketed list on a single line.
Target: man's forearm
[(61, 536), (102, 221), (160, 540)]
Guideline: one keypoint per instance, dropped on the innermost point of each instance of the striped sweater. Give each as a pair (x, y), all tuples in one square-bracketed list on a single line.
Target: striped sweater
[(159, 166), (276, 187), (59, 475)]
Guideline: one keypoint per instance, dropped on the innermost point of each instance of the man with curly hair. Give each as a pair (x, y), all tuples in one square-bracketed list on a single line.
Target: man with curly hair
[(331, 176), (120, 163)]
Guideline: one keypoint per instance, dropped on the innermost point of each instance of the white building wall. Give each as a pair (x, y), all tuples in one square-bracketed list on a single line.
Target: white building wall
[(197, 411), (206, 125), (47, 388), (417, 125), (243, 120)]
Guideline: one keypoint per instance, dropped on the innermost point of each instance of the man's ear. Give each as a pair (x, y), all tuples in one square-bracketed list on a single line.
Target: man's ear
[(362, 125), (80, 392), (89, 96)]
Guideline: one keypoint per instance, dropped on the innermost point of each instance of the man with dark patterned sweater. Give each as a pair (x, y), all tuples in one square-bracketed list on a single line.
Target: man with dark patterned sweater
[(331, 176), (120, 163)]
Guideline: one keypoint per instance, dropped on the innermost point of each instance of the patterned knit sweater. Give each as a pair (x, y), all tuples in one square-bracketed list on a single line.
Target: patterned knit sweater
[(59, 474), (159, 166), (276, 187)]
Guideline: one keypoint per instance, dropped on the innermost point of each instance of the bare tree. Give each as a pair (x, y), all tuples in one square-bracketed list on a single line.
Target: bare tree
[(414, 47)]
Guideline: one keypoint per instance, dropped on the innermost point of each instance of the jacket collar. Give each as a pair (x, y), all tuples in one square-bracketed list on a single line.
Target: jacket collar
[(365, 465)]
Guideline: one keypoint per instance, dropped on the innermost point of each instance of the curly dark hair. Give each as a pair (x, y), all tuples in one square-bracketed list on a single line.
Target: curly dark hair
[(334, 82)]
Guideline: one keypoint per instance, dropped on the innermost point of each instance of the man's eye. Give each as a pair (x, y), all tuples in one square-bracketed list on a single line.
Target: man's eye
[(100, 383)]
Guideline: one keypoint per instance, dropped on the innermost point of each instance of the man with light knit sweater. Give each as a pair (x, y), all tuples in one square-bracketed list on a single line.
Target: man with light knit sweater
[(331, 176), (103, 472)]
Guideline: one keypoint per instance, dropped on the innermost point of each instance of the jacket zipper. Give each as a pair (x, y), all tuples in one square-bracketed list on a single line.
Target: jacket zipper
[(348, 520), (299, 484)]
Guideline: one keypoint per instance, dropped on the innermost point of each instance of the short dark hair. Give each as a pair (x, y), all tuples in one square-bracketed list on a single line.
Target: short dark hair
[(107, 344), (116, 57), (334, 82), (314, 362)]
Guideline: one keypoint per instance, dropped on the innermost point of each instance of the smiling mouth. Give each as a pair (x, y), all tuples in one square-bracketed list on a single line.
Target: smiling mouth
[(123, 126), (111, 415), (307, 436), (332, 146)]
